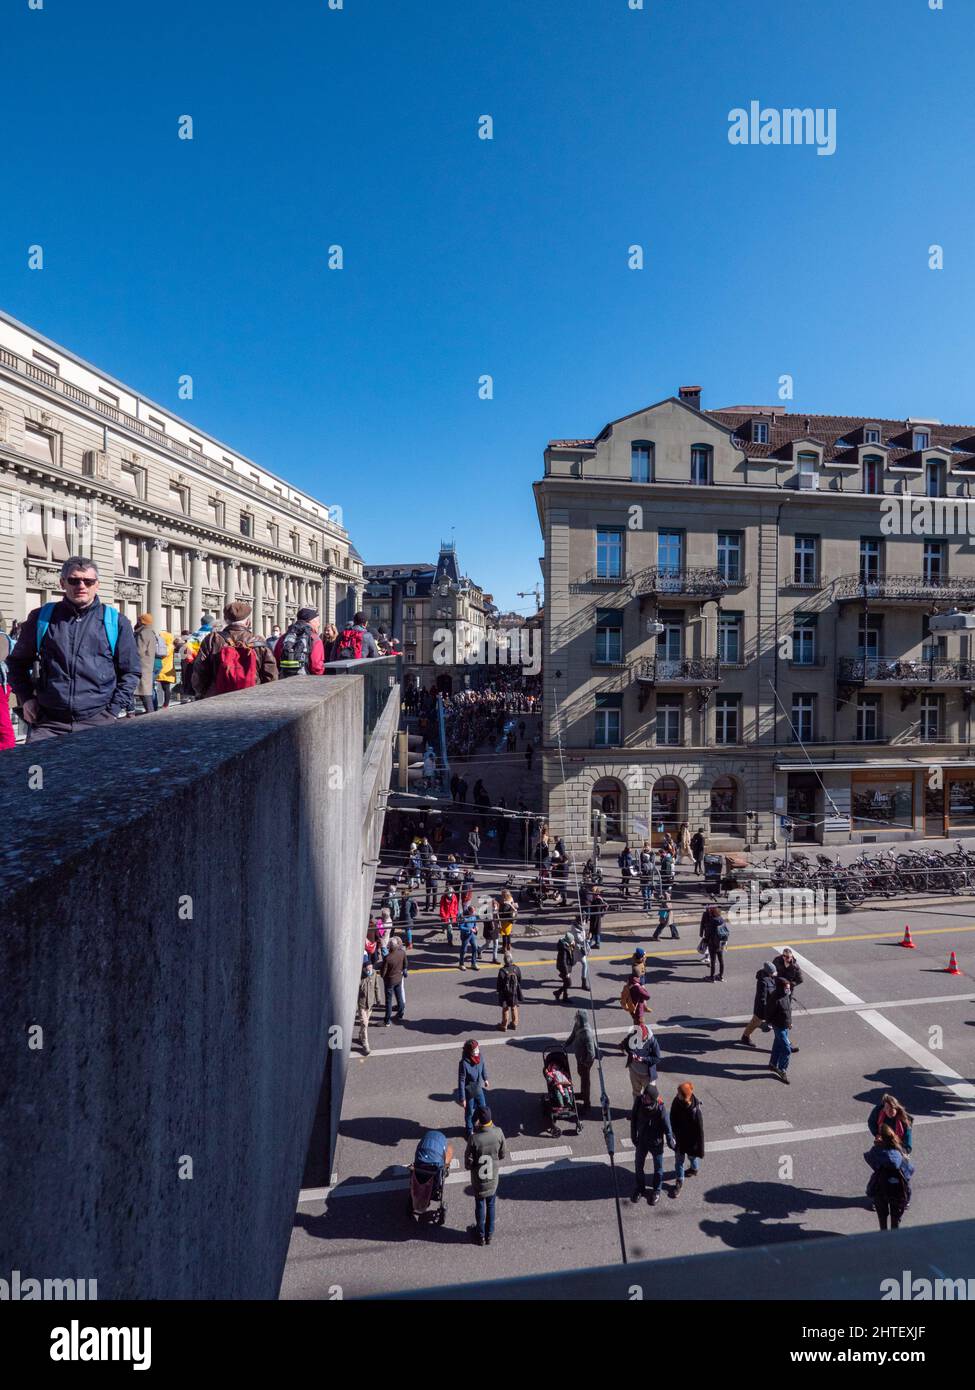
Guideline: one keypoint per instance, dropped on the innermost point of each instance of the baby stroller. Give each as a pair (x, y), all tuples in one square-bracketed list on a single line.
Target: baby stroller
[(559, 1101), (428, 1172)]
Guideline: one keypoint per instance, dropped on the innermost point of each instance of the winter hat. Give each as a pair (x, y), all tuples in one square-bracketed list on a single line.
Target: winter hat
[(482, 1115), (639, 953), (145, 619), (237, 612), (651, 1093), (305, 615), (768, 968)]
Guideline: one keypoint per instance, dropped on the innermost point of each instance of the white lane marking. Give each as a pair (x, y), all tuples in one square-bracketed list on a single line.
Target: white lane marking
[(751, 1141), (946, 1076), (854, 1006), (765, 1128), (529, 1155)]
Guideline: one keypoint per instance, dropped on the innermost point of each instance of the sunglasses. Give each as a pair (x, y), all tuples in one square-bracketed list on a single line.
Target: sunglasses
[(77, 579)]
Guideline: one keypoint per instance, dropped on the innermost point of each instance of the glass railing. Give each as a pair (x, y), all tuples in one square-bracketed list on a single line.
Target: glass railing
[(379, 676)]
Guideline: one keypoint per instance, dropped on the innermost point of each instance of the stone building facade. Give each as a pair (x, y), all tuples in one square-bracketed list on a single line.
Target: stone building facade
[(796, 678), (178, 523)]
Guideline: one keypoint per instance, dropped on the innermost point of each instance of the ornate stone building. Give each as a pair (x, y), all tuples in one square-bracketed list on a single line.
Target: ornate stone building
[(178, 523)]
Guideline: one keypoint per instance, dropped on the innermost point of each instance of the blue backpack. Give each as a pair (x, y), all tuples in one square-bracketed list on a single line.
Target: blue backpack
[(110, 617)]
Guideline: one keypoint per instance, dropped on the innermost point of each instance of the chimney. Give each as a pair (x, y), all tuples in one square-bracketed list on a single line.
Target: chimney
[(691, 395)]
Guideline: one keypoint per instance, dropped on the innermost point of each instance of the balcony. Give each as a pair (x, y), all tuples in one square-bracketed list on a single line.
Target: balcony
[(694, 673), (596, 576), (904, 589), (608, 664), (672, 582), (888, 671)]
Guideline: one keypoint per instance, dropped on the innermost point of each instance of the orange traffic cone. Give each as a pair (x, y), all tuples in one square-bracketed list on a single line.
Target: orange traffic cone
[(952, 967), (907, 940)]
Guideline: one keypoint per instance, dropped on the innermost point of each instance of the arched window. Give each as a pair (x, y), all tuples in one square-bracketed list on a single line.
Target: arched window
[(641, 461), (609, 801), (666, 808), (726, 813)]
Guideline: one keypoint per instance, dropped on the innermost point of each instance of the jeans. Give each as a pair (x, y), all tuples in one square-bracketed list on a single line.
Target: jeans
[(647, 890), (892, 1206), (658, 1170), (465, 943), (679, 1165), (781, 1049), (585, 972), (716, 956), (595, 930), (395, 991), (484, 1214), (674, 933), (470, 1106), (495, 945)]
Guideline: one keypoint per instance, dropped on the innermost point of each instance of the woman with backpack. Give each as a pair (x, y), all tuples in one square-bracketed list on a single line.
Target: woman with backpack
[(509, 993), (891, 1113), (232, 659), (889, 1188), (166, 674), (714, 937)]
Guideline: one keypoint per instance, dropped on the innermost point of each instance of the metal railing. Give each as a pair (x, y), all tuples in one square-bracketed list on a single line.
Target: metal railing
[(904, 671), (594, 576), (668, 579), (380, 675), (692, 671), (908, 588)]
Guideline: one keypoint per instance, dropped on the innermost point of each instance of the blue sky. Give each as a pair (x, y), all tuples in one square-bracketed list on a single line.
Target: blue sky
[(465, 257)]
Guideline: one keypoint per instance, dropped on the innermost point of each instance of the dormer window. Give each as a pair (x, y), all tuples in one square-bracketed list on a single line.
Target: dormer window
[(934, 478), (872, 473), (871, 435), (700, 465), (759, 432), (641, 461), (410, 590), (922, 439)]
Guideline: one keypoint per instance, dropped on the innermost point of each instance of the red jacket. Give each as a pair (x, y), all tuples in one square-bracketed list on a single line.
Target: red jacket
[(316, 660), (448, 908), (7, 737)]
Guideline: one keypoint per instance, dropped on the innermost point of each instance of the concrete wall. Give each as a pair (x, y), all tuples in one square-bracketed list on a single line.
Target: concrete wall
[(166, 1041)]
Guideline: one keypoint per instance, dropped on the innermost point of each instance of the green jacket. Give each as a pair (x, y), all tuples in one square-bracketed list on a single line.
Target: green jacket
[(485, 1150)]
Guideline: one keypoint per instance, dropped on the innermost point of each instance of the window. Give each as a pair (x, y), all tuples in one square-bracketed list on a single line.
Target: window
[(109, 396), (700, 465), (806, 568), (128, 556), (411, 610), (608, 720), (40, 444), (931, 718), (868, 638), (727, 719), (196, 444), (296, 542), (609, 554), (641, 461), (179, 498), (272, 532), (217, 510), (670, 551), (157, 423), (47, 363), (804, 639), (759, 432), (922, 439), (725, 816), (871, 436), (177, 565), (729, 555), (934, 478), (868, 718), (411, 589), (803, 718), (729, 638), (134, 479), (313, 550), (32, 524), (934, 562), (872, 473), (670, 719), (932, 648), (670, 644), (869, 559), (609, 644), (246, 524), (808, 464), (375, 610), (882, 801)]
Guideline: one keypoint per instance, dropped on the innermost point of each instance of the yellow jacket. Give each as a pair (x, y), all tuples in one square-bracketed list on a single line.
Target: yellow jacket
[(166, 672)]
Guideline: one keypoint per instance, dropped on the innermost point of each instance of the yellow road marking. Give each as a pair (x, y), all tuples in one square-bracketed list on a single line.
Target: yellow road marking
[(745, 946)]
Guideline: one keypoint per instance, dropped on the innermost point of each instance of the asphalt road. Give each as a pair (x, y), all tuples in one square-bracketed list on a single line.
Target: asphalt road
[(782, 1163)]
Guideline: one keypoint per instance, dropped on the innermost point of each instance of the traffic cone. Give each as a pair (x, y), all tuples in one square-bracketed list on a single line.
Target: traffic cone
[(907, 940), (952, 967)]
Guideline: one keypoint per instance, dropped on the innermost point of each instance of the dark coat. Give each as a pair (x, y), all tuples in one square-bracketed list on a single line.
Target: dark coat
[(687, 1122), (565, 959), (779, 1012), (509, 986), (395, 966), (78, 673), (764, 990), (650, 1127), (792, 973)]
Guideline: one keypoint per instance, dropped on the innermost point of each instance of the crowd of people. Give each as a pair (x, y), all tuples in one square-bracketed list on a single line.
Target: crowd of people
[(79, 663)]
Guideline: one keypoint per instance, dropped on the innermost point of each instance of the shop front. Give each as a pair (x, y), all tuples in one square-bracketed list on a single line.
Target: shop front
[(843, 803)]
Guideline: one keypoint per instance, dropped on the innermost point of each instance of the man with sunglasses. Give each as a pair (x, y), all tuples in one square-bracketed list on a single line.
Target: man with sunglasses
[(76, 664)]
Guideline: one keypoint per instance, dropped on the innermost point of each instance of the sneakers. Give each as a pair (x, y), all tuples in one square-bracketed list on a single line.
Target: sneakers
[(675, 1190), (476, 1236), (782, 1075), (690, 1172), (654, 1197), (635, 1196), (512, 1027), (747, 1042)]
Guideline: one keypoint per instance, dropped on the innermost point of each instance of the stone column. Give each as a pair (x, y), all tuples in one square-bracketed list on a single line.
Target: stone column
[(328, 599), (229, 582), (282, 601), (257, 621), (156, 549), (195, 615)]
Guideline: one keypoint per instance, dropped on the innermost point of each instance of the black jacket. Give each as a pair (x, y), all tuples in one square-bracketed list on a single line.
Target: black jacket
[(687, 1122), (78, 673), (565, 959), (779, 1012), (650, 1127), (764, 990), (792, 973)]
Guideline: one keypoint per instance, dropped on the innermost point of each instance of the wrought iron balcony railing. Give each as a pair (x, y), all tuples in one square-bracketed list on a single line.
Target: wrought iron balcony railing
[(667, 579), (597, 576), (904, 671), (908, 588), (696, 671)]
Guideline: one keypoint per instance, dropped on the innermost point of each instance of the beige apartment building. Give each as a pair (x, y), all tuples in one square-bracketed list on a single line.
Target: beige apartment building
[(796, 676), (434, 610), (178, 523)]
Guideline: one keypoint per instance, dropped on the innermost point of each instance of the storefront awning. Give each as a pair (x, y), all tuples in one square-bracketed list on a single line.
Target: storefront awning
[(902, 764)]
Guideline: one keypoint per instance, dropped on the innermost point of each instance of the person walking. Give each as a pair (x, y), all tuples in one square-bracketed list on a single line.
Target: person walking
[(368, 999), (75, 664), (233, 659), (642, 1055), (582, 1043), (8, 739), (509, 993), (474, 841), (649, 1131), (449, 907), (889, 1188), (627, 868), (684, 850), (665, 918), (780, 1017), (300, 651), (787, 968), (167, 671), (635, 998), (431, 880), (890, 1113), (487, 910), (565, 959), (145, 641), (472, 1082), (597, 910), (407, 917), (485, 1152), (714, 935), (580, 945), (764, 990), (687, 1123), (468, 937), (698, 847), (646, 882), (395, 968), (507, 912)]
